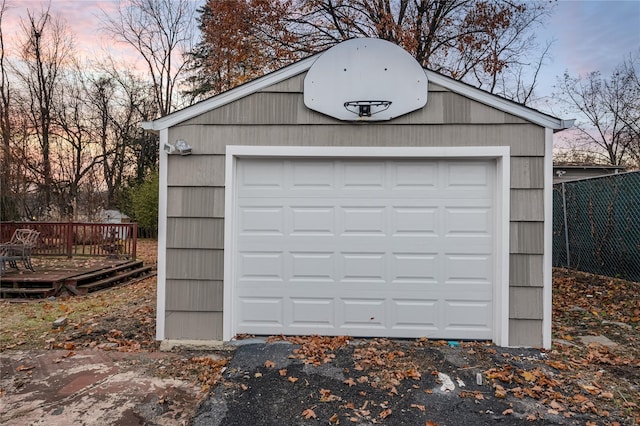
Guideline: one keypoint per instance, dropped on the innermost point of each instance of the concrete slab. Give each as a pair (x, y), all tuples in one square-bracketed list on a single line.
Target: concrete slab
[(90, 387), (600, 340)]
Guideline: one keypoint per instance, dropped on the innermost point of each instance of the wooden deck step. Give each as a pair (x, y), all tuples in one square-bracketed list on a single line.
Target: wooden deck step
[(113, 279), (44, 291), (105, 271)]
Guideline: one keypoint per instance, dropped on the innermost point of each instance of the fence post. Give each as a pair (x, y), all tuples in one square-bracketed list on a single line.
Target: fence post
[(566, 229), (69, 239), (135, 241)]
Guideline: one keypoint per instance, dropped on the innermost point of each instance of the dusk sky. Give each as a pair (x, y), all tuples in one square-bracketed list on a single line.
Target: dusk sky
[(589, 35)]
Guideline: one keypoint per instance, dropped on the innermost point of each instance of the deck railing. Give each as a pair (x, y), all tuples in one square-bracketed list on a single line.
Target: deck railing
[(79, 239)]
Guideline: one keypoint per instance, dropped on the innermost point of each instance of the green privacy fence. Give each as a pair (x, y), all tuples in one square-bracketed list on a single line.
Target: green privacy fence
[(596, 225)]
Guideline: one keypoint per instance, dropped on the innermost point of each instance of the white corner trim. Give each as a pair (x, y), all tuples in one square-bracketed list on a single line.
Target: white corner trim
[(501, 265), (161, 285), (501, 241), (228, 326), (547, 260)]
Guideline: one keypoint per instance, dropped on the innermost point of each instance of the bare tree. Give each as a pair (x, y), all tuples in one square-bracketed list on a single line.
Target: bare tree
[(46, 48), (608, 111), (161, 31), (8, 208), (77, 151), (475, 41), (630, 115)]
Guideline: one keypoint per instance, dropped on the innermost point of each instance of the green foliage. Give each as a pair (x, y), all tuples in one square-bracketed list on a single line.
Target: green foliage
[(140, 202), (8, 208)]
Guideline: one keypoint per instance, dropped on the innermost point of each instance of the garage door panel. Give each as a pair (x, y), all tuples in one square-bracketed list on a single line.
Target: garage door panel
[(398, 248), (363, 220), (312, 220), (464, 175), (312, 312), (262, 174), (261, 220), (420, 314), (312, 175), (468, 220), (363, 266), (414, 221), (261, 266), (367, 175), (414, 268), (412, 176), (470, 316), (363, 313), (261, 311), (312, 266), (467, 267)]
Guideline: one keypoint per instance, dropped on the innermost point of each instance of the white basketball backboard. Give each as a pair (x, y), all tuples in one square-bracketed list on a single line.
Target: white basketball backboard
[(365, 79)]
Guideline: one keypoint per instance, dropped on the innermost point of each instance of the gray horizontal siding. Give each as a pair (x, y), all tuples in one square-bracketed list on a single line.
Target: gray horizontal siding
[(526, 303), (526, 237), (527, 205), (195, 264), (194, 295), (527, 172), (291, 85), (195, 202), (526, 270), (525, 332), (196, 170), (524, 139), (193, 325), (281, 108), (195, 233)]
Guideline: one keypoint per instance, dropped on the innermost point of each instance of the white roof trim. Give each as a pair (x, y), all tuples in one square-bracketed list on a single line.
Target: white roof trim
[(498, 102), (282, 74), (230, 95)]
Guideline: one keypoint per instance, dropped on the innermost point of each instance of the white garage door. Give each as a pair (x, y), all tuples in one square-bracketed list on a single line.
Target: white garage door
[(397, 248)]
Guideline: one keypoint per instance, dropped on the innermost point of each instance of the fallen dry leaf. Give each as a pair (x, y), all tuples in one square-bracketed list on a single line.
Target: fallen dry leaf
[(309, 414), (334, 419), (269, 364), (25, 367), (507, 411), (386, 413)]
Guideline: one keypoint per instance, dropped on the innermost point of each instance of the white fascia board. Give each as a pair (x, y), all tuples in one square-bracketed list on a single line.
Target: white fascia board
[(498, 102), (231, 95)]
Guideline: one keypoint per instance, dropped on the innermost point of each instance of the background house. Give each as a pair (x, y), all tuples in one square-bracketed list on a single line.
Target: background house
[(434, 222), (570, 172)]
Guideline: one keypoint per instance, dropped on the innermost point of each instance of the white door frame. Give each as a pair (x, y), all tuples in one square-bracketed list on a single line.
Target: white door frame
[(502, 199)]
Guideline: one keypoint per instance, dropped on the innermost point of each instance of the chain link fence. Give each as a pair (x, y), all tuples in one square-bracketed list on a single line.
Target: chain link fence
[(596, 225)]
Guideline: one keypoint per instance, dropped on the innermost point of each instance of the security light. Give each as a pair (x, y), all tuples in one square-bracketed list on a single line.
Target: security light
[(180, 147)]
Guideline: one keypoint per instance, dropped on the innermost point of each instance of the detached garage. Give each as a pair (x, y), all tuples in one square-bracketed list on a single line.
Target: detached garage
[(354, 193)]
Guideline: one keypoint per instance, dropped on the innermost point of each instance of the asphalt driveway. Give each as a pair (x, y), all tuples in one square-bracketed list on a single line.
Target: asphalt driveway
[(374, 382)]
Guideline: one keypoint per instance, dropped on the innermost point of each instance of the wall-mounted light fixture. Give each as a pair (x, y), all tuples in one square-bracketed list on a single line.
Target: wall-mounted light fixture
[(179, 147)]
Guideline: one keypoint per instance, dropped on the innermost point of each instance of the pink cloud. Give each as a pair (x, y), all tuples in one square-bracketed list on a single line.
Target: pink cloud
[(83, 19)]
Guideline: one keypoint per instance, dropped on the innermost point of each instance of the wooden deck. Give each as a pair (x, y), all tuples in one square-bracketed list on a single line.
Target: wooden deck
[(76, 276)]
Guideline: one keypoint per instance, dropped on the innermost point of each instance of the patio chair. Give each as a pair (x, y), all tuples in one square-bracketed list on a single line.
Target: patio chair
[(19, 248)]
